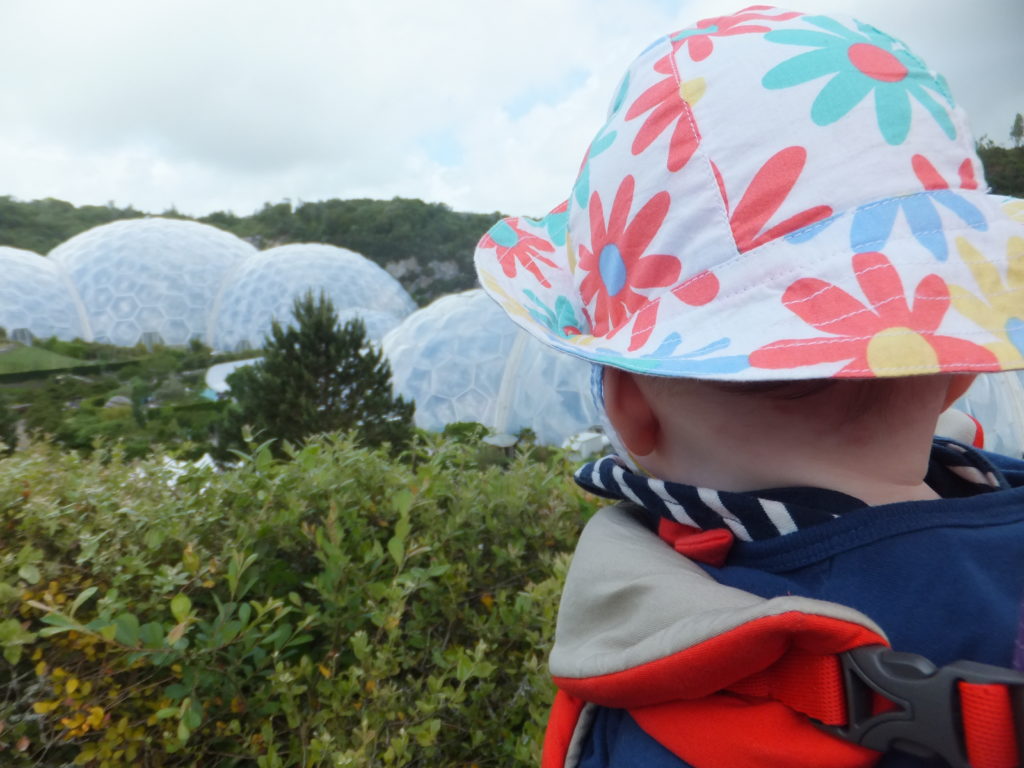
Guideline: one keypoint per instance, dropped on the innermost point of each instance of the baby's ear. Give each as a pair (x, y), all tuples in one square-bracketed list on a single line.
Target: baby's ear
[(630, 412), (959, 383)]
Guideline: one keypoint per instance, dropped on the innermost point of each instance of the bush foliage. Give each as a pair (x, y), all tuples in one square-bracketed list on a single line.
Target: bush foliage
[(334, 607)]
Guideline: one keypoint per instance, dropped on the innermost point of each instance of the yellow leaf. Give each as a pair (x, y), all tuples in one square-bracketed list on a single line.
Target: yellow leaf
[(44, 707), (324, 671), (488, 601), (41, 668), (95, 718), (71, 685)]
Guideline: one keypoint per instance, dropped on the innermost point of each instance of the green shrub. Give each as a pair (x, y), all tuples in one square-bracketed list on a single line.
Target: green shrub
[(337, 607)]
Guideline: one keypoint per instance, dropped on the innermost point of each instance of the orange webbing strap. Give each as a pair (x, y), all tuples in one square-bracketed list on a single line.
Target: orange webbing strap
[(811, 684), (814, 685), (988, 725)]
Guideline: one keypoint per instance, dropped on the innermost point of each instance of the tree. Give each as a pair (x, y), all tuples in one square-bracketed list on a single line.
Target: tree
[(1017, 131), (318, 376)]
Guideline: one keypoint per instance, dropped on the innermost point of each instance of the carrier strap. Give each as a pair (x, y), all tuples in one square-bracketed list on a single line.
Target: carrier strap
[(969, 714)]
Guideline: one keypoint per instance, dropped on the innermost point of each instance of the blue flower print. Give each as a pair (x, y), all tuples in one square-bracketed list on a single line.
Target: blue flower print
[(554, 223), (873, 223), (694, 363), (860, 63), (561, 320), (601, 142)]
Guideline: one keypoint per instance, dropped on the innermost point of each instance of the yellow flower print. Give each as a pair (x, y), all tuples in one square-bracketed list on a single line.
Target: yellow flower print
[(1002, 309), (1014, 209), (509, 304)]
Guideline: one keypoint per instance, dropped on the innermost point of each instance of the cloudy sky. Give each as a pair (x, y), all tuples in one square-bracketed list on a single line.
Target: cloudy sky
[(225, 104)]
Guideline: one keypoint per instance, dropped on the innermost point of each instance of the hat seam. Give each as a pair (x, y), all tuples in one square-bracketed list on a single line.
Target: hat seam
[(691, 119), (795, 269)]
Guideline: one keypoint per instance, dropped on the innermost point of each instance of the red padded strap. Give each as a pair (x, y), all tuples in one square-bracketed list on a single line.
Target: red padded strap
[(811, 684), (726, 731), (988, 725), (565, 713)]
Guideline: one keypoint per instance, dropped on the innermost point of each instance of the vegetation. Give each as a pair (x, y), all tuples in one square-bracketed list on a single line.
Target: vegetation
[(318, 376), (19, 359), (1004, 167), (336, 607), (41, 225), (8, 427), (145, 399)]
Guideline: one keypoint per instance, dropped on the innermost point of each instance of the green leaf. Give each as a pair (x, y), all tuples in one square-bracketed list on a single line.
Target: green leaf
[(51, 631), (84, 595), (181, 605), (127, 629), (152, 634), (30, 573), (402, 502), (396, 548)]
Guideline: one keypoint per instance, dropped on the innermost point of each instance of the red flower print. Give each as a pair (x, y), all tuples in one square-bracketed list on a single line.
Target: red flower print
[(669, 106), (931, 179), (889, 338), (615, 263), (512, 244), (699, 41), (767, 192)]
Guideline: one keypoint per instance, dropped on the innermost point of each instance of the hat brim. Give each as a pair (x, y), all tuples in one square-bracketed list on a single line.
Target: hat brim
[(830, 300)]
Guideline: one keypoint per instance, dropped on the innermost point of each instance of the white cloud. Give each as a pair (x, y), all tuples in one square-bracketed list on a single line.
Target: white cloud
[(230, 104)]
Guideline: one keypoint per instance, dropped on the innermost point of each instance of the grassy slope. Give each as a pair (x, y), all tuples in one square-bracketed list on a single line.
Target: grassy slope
[(19, 359)]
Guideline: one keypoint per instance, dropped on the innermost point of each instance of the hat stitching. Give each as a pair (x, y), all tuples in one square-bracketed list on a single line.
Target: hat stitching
[(790, 271), (735, 262)]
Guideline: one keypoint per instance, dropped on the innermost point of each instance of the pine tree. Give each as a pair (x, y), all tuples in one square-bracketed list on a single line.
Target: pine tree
[(1017, 131), (318, 376)]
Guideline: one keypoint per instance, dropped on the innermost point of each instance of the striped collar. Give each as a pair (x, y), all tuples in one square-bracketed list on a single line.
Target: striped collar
[(954, 470)]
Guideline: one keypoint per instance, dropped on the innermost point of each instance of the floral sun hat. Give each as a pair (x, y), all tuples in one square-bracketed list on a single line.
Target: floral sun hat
[(774, 195)]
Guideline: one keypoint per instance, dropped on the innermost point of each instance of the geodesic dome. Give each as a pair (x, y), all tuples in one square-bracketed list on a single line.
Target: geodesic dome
[(265, 286), (149, 276), (462, 359), (35, 295)]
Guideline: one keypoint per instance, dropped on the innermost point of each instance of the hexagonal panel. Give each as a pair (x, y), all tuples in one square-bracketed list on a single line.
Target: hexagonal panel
[(263, 289), (131, 274), (36, 295), (462, 359)]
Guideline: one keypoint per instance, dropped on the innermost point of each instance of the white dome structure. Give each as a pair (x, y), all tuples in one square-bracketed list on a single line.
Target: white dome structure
[(149, 279), (263, 288), (462, 359), (35, 296)]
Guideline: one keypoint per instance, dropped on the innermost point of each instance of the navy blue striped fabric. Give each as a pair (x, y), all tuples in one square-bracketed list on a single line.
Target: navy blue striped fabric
[(955, 470)]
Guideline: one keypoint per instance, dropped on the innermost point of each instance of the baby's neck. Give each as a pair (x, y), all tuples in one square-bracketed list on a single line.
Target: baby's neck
[(878, 453)]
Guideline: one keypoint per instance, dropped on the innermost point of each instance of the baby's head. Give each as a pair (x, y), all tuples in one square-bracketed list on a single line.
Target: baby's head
[(775, 196), (868, 438)]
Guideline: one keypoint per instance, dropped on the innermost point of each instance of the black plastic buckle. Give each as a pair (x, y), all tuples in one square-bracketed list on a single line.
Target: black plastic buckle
[(929, 721)]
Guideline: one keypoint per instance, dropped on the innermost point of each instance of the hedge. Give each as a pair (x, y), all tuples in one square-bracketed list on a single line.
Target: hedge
[(336, 607)]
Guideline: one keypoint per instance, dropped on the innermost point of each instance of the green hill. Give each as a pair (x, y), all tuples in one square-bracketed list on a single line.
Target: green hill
[(15, 358)]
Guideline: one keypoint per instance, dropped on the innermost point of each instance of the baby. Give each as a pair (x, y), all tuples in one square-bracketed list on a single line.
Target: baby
[(781, 259)]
